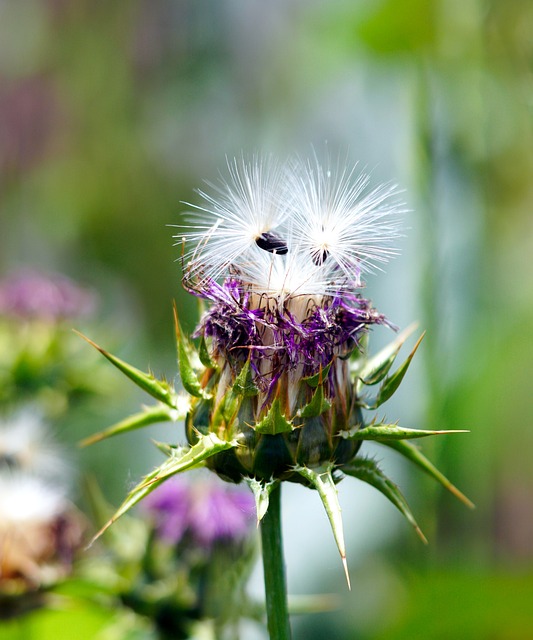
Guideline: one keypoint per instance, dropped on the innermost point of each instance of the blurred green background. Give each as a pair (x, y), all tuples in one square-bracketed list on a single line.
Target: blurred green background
[(112, 113)]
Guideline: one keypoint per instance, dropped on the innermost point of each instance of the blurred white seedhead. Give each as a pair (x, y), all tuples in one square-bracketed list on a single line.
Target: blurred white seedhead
[(26, 445)]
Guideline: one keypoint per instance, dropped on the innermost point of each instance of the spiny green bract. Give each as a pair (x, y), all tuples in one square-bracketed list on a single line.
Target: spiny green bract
[(316, 444)]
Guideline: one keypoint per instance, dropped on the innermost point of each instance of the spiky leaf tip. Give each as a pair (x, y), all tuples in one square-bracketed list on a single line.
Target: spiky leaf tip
[(227, 409), (373, 370), (322, 480), (158, 389), (368, 471), (391, 383), (261, 491), (316, 406), (186, 355), (207, 446), (413, 454), (382, 431), (275, 421), (318, 378)]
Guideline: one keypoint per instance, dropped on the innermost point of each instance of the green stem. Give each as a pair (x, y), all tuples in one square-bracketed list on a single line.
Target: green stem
[(274, 569)]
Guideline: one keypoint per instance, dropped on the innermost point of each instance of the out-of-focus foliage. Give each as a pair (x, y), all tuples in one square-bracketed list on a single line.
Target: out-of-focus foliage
[(110, 114), (41, 361), (178, 570)]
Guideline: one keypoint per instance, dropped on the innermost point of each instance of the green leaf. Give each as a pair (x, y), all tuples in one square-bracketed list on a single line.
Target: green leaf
[(382, 432), (182, 460), (207, 446), (316, 406), (322, 481), (384, 30), (367, 470), (149, 415), (391, 383), (314, 381), (159, 389), (261, 491), (228, 408), (188, 376), (274, 422), (244, 385), (375, 369), (414, 454), (204, 356)]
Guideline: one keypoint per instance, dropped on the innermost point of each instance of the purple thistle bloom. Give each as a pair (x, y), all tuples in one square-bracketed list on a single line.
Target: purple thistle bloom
[(32, 295), (220, 513), (169, 506), (203, 512), (238, 330)]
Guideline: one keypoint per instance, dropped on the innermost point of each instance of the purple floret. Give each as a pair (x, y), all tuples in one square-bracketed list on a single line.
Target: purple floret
[(220, 514), (202, 512), (236, 330), (169, 506)]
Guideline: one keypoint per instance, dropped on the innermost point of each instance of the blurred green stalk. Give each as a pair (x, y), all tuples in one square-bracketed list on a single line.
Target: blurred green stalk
[(274, 569)]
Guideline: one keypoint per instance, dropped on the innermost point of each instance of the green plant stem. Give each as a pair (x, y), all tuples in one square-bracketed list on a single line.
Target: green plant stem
[(274, 569)]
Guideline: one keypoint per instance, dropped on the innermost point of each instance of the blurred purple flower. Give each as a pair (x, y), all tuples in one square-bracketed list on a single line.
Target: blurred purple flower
[(29, 294), (169, 507), (219, 513), (205, 511)]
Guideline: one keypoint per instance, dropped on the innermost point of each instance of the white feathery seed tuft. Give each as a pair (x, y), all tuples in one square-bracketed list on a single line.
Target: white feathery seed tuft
[(28, 499), (293, 229), (26, 446), (233, 219), (341, 224)]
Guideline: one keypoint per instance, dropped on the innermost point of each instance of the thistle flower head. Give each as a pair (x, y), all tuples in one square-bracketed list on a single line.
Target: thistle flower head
[(279, 257), (39, 528), (25, 499), (288, 298), (279, 378)]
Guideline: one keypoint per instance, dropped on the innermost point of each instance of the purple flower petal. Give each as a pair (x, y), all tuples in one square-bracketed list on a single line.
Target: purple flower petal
[(169, 507), (220, 513), (236, 329), (202, 511)]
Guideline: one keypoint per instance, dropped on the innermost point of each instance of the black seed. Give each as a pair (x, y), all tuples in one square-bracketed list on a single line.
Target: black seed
[(272, 243), (320, 257)]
